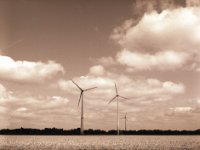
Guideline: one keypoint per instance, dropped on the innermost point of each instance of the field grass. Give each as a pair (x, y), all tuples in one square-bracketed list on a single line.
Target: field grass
[(99, 142)]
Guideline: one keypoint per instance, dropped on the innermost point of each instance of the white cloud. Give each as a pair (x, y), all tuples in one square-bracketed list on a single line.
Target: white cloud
[(170, 38), (171, 29), (172, 87), (22, 109), (5, 95), (92, 81), (107, 61), (56, 101), (97, 70), (141, 89), (182, 112), (182, 109), (154, 82), (29, 109), (119, 31), (26, 109), (167, 60), (27, 71), (3, 91), (63, 84)]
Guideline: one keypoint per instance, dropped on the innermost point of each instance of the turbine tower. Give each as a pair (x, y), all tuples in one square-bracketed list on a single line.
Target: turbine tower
[(125, 119), (117, 96), (82, 105)]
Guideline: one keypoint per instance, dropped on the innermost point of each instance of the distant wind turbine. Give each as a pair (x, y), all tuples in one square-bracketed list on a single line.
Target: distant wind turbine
[(117, 96), (81, 100), (125, 119)]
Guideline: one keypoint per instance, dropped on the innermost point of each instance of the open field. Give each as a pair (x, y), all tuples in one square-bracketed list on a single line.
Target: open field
[(99, 142)]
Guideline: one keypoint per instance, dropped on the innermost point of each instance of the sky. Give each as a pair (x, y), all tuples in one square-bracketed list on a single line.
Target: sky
[(149, 48)]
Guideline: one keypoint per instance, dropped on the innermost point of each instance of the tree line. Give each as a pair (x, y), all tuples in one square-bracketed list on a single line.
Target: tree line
[(55, 131)]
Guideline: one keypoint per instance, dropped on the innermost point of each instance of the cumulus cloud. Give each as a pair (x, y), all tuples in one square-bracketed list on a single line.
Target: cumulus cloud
[(177, 30), (142, 89), (21, 109), (106, 61), (27, 71), (141, 7), (144, 94), (3, 92), (5, 95), (173, 87), (170, 38), (97, 70), (181, 109), (55, 102), (167, 60), (30, 110), (92, 81)]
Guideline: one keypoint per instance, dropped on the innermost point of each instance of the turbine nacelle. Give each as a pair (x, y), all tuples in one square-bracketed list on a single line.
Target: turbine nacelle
[(117, 95), (82, 91)]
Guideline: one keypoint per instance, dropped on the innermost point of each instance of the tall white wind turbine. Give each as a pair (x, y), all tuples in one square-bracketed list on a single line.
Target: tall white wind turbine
[(82, 105), (117, 96)]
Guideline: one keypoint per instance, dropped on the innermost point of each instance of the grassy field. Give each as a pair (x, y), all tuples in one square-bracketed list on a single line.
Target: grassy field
[(99, 142)]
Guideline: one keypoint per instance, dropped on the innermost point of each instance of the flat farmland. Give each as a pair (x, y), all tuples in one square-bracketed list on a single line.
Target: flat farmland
[(99, 142)]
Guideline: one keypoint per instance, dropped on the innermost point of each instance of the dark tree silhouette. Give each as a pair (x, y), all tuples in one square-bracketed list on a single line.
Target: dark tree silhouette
[(55, 131)]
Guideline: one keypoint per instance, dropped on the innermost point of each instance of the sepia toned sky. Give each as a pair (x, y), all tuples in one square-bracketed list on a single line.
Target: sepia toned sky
[(150, 48)]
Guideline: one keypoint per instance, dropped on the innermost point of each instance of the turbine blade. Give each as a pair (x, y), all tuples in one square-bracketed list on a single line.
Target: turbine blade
[(116, 89), (80, 98), (112, 99), (90, 88), (123, 97), (76, 85)]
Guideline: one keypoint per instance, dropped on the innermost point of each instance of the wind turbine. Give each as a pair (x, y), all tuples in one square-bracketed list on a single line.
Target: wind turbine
[(125, 119), (81, 100), (117, 96)]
